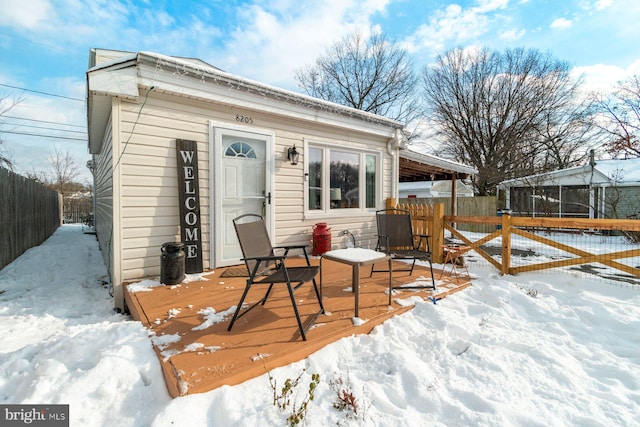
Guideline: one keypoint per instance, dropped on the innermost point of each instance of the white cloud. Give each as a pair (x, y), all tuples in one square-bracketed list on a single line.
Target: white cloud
[(603, 4), (600, 77), (561, 23), (116, 24), (453, 24), (271, 42), (457, 25), (634, 68), (512, 35), (27, 13), (491, 5)]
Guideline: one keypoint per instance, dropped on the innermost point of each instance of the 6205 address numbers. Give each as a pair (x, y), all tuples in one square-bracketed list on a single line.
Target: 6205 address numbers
[(244, 119)]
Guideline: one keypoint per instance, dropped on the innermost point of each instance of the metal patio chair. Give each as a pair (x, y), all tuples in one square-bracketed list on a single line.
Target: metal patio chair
[(267, 268), (396, 239)]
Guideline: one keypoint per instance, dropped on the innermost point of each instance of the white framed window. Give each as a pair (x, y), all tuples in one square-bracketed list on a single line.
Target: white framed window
[(341, 180)]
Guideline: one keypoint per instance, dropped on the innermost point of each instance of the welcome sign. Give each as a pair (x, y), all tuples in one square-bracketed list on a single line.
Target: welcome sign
[(189, 201)]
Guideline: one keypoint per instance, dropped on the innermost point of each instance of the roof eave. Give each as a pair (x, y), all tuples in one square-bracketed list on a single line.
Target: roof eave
[(440, 162), (208, 73)]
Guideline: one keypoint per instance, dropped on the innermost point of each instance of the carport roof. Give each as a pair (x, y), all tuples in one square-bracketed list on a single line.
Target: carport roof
[(415, 166)]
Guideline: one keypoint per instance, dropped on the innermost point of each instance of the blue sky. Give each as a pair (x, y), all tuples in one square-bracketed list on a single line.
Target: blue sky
[(44, 45)]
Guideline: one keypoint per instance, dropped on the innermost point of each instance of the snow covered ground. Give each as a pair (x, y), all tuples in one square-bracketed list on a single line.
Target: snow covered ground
[(532, 350)]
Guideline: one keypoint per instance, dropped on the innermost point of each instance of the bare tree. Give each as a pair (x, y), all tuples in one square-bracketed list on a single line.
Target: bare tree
[(621, 117), (6, 104), (62, 177), (64, 170), (562, 137), (371, 74), (508, 113)]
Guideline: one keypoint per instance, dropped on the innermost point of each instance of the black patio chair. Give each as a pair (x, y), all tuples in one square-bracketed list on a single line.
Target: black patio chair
[(396, 239), (267, 268)]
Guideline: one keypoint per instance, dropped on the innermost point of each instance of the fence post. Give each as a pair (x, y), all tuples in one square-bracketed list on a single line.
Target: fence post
[(60, 209), (437, 238), (506, 242), (391, 203)]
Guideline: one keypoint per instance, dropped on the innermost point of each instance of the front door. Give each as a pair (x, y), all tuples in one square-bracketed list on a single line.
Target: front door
[(242, 186)]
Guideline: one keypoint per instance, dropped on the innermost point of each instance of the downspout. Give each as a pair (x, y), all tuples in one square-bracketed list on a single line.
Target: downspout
[(394, 144), (592, 163), (91, 165)]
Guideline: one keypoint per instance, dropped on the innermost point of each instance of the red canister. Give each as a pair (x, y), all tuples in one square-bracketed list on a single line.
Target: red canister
[(321, 239)]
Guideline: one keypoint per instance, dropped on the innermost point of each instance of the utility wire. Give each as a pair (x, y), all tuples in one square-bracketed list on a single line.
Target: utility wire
[(42, 121), (43, 93), (43, 127), (45, 136)]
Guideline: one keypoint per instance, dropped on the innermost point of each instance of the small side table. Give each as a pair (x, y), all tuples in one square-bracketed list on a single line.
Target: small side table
[(453, 254), (356, 258)]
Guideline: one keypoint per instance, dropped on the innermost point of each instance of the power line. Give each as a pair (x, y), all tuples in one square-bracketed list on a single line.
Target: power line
[(24, 39), (42, 121), (42, 93), (45, 128), (44, 136)]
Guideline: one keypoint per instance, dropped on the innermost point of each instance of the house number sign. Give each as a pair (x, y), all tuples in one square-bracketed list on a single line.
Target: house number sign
[(189, 201), (244, 119)]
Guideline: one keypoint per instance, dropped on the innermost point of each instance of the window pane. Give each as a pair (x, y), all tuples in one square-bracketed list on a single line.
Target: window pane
[(240, 149), (371, 181), (344, 174), (548, 201), (522, 201), (315, 178), (575, 201)]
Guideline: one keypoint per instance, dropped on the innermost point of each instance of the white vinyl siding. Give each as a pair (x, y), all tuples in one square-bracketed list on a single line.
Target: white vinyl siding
[(148, 204), (137, 184), (103, 214), (149, 182), (294, 225)]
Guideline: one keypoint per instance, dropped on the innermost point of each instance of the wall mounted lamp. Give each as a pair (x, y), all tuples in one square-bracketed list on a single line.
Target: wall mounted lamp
[(293, 155)]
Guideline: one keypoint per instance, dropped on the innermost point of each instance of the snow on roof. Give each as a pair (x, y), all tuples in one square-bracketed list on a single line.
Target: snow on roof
[(605, 172), (416, 185), (442, 186), (445, 186), (201, 66)]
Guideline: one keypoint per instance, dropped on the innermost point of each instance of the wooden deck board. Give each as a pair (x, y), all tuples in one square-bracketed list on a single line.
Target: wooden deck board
[(267, 337)]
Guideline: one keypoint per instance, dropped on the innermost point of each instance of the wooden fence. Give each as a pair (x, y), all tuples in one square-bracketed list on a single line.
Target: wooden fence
[(29, 214), (431, 219), (465, 206), (423, 222)]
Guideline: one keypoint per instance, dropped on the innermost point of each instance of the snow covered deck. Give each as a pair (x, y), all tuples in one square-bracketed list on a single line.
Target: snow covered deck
[(189, 321)]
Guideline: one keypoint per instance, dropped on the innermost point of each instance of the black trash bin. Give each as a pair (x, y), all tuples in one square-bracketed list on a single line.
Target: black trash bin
[(172, 263)]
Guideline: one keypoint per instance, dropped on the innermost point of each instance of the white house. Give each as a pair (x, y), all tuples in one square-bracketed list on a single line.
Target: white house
[(601, 189), (430, 189), (179, 148)]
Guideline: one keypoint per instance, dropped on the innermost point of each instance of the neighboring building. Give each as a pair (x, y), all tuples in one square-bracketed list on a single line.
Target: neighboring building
[(425, 175), (431, 189), (608, 189), (143, 106)]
